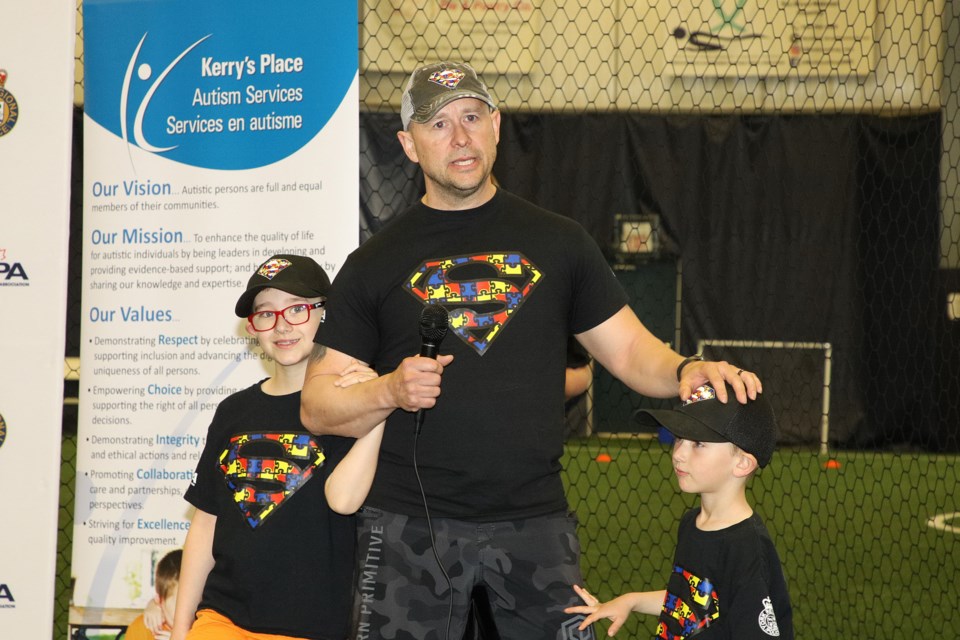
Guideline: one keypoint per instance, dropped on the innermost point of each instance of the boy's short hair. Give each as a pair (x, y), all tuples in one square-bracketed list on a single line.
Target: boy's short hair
[(297, 275), (168, 573), (752, 426)]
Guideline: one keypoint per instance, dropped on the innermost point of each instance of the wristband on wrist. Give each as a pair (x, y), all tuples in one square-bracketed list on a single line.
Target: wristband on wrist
[(686, 361)]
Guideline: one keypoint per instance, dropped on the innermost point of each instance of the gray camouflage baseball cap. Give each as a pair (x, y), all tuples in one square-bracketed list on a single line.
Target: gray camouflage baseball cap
[(435, 85)]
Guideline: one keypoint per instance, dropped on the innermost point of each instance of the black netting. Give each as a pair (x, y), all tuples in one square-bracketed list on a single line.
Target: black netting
[(775, 183)]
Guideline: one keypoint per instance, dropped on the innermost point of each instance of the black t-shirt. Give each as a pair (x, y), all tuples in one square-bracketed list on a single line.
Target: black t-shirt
[(283, 559), (516, 281), (577, 356), (726, 584)]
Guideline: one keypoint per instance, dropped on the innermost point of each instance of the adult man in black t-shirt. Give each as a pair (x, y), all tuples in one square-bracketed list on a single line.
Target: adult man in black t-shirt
[(516, 281)]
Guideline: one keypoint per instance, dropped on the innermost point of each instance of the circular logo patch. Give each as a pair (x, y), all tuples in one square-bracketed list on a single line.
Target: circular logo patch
[(3, 430), (768, 619), (9, 109)]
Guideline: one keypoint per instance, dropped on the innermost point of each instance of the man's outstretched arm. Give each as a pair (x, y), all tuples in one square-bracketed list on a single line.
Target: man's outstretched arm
[(645, 364)]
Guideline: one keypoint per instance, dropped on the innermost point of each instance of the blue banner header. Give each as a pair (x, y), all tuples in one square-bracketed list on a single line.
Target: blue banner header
[(230, 85)]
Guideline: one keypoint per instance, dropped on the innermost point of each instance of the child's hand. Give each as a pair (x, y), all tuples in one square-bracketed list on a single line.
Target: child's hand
[(617, 610), (355, 372), (153, 617)]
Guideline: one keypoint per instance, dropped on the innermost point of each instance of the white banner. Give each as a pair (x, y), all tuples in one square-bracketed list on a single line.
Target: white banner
[(216, 134), (36, 119)]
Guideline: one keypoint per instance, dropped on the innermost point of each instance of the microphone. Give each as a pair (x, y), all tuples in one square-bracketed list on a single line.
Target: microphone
[(433, 328)]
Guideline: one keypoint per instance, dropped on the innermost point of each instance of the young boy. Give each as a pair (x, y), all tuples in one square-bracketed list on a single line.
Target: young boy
[(727, 581), (166, 578), (266, 556)]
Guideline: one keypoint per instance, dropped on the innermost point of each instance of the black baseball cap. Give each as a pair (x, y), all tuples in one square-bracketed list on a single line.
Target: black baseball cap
[(433, 86), (298, 275), (752, 426)]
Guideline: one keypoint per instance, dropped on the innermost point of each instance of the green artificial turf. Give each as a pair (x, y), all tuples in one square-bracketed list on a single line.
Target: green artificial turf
[(860, 558)]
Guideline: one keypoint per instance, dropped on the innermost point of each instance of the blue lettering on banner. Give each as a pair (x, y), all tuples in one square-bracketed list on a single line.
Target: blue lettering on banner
[(215, 93)]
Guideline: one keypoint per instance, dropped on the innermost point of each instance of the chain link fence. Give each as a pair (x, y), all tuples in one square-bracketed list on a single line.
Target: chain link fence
[(776, 183)]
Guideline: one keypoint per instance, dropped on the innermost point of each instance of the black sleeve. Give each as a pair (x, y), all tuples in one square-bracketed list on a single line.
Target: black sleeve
[(577, 356), (202, 490), (349, 322), (597, 293)]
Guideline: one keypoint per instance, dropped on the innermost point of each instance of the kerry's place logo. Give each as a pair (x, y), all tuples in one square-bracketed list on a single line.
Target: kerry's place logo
[(3, 430), (9, 110)]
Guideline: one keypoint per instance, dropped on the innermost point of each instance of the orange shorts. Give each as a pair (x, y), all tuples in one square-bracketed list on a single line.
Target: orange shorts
[(210, 625)]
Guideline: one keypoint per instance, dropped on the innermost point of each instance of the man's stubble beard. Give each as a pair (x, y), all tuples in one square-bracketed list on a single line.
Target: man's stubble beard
[(450, 190)]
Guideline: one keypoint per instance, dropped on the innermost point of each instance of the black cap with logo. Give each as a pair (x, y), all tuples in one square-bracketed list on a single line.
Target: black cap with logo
[(752, 426), (297, 275)]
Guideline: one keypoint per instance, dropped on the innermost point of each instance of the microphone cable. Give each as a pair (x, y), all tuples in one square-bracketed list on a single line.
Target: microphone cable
[(433, 539), (433, 328)]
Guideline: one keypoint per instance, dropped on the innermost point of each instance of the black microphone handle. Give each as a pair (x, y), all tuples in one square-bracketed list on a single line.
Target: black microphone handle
[(433, 328), (427, 350)]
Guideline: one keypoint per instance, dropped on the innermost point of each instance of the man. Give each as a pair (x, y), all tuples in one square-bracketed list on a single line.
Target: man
[(516, 281)]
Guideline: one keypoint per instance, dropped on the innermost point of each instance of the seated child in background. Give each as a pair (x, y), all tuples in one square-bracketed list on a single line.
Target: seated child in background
[(157, 619), (727, 581)]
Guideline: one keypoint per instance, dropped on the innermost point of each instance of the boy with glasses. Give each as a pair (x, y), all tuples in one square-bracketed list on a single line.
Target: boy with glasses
[(267, 557)]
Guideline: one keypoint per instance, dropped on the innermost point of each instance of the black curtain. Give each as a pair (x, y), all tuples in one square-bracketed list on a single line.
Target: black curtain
[(898, 173), (760, 211), (787, 228), (811, 229)]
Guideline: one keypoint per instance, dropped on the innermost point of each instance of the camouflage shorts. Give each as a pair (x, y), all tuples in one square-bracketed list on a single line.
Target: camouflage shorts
[(526, 569)]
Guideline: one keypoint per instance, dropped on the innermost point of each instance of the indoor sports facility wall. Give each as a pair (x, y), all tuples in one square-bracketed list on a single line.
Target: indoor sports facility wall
[(775, 183)]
